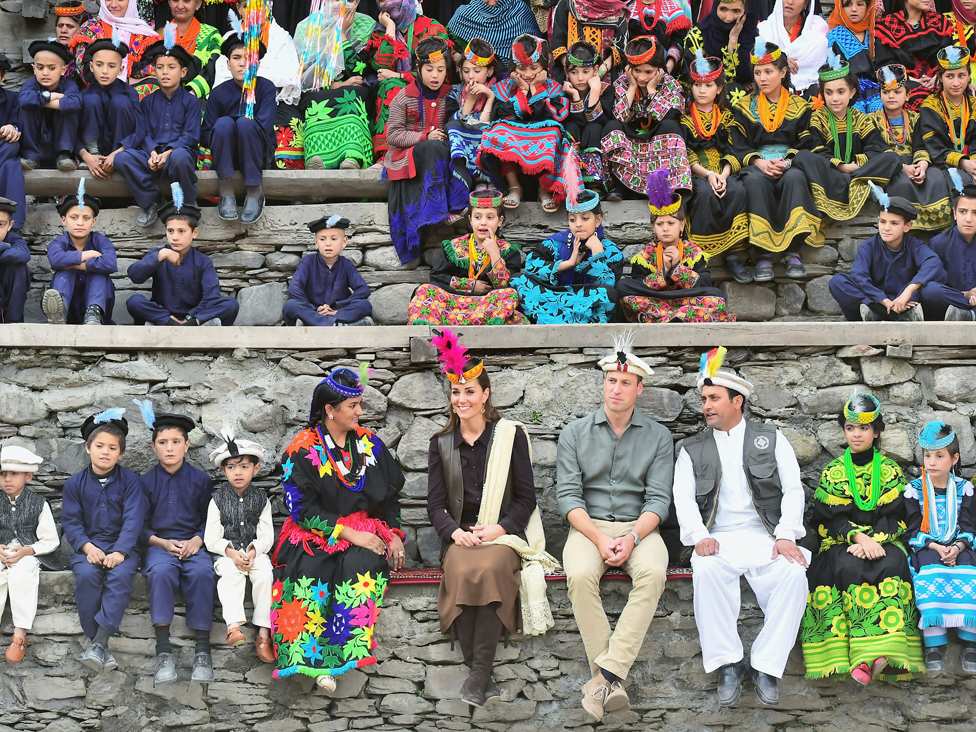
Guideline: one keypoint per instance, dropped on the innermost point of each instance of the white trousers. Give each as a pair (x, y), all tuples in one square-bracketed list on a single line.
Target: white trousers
[(232, 583), (20, 582), (780, 587)]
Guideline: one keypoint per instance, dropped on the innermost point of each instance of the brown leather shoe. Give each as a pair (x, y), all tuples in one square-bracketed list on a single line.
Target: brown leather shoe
[(264, 649), (235, 637), (16, 650)]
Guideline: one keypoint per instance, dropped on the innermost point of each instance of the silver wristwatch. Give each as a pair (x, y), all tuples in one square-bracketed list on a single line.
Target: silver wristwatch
[(637, 539)]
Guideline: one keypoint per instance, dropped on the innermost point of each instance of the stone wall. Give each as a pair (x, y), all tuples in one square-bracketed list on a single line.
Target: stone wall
[(256, 263)]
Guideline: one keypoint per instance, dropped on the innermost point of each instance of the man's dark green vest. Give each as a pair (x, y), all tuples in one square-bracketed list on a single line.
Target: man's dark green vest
[(759, 462)]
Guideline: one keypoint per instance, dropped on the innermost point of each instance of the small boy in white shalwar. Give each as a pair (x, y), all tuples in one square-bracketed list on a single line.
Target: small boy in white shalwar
[(27, 531), (240, 534)]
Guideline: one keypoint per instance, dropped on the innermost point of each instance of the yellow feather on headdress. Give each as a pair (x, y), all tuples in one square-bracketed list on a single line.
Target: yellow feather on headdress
[(711, 362)]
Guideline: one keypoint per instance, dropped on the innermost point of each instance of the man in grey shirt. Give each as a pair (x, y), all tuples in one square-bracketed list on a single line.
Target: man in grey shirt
[(613, 484)]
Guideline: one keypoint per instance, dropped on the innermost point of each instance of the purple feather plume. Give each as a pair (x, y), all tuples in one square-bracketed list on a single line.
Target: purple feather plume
[(659, 189)]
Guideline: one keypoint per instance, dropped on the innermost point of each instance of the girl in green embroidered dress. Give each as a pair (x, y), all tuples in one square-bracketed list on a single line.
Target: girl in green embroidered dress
[(861, 617)]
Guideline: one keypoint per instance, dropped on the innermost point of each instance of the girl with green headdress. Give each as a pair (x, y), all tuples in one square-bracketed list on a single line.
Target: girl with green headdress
[(861, 617)]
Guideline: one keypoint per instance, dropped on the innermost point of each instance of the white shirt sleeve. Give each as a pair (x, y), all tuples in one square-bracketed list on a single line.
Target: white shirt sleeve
[(265, 536), (47, 533), (213, 535), (790, 525), (685, 506)]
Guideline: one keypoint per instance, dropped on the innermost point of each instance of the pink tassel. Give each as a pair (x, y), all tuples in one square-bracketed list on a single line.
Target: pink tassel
[(571, 176)]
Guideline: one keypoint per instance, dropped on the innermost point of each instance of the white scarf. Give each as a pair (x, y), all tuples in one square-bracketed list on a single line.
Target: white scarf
[(809, 50)]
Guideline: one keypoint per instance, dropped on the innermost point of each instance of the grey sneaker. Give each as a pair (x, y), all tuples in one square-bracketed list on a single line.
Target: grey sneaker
[(53, 306), (165, 669), (66, 163), (968, 658), (94, 315), (867, 314), (913, 315), (212, 321), (202, 668), (28, 164), (110, 664), (959, 314), (94, 657), (299, 323)]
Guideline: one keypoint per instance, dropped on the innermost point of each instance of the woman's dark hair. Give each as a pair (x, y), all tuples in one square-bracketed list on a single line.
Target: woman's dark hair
[(429, 46), (109, 429), (545, 58), (862, 403), (722, 98), (324, 395), (851, 80), (491, 414), (953, 447), (482, 48), (639, 46)]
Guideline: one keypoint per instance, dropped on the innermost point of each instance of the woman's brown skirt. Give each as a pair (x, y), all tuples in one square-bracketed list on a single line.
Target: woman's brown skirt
[(477, 576)]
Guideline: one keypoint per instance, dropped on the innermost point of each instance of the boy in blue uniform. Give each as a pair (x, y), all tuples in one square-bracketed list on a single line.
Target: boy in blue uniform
[(327, 289), (236, 142), (14, 257), (11, 176), (185, 288), (893, 270), (50, 110), (172, 116), (102, 514), (177, 498), (112, 121), (83, 261), (955, 248)]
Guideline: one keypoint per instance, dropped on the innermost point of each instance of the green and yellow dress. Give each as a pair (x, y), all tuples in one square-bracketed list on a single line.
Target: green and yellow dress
[(859, 610)]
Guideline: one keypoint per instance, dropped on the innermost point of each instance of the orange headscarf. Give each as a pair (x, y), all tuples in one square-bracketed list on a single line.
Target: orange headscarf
[(839, 17)]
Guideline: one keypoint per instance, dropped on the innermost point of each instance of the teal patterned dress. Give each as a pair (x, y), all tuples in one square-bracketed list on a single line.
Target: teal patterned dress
[(327, 593)]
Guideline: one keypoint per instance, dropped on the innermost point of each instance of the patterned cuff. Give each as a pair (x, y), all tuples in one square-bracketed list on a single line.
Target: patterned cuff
[(836, 162), (953, 159), (577, 107)]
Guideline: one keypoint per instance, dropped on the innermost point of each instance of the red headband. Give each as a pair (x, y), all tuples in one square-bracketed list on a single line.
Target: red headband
[(69, 11), (521, 57), (710, 76), (644, 58)]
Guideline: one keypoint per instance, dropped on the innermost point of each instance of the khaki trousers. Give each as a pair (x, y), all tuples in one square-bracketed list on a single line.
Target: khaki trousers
[(647, 567), (21, 581), (232, 583)]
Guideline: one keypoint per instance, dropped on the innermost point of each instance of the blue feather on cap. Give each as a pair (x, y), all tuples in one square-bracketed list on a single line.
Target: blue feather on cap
[(953, 54), (177, 191), (834, 61), (109, 414), (235, 23), (701, 63), (882, 197), (332, 221), (930, 433), (81, 194), (888, 75), (759, 50), (169, 35), (115, 36), (148, 415), (956, 179)]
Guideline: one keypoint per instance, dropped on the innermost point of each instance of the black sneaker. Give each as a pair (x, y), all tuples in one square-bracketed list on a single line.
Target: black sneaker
[(737, 269), (794, 267), (202, 668), (764, 270), (65, 163)]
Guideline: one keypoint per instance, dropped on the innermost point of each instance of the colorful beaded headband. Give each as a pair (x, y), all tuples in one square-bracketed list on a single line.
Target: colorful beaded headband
[(69, 10), (891, 77), (704, 70), (862, 417), (521, 57), (583, 63), (929, 438), (644, 58), (481, 201), (953, 57), (835, 68), (586, 201), (476, 59), (762, 55), (348, 392)]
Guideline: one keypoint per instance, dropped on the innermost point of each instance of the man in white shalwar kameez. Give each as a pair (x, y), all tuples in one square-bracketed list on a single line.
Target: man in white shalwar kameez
[(739, 502)]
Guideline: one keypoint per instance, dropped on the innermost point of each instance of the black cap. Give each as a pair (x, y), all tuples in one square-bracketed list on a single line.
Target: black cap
[(233, 41), (7, 206), (167, 420), (187, 211), (903, 207), (89, 425), (186, 59), (69, 202), (969, 190), (51, 45), (331, 222), (4, 63), (105, 44)]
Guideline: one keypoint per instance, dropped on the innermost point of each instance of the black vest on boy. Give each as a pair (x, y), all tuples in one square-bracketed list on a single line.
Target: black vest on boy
[(19, 520), (239, 515)]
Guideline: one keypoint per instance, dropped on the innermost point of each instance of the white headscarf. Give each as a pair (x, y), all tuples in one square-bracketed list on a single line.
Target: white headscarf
[(129, 24), (809, 50)]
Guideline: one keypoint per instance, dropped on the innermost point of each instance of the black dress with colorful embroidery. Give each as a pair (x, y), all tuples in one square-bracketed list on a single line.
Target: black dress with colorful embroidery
[(858, 609), (716, 224), (327, 592), (915, 47), (841, 196)]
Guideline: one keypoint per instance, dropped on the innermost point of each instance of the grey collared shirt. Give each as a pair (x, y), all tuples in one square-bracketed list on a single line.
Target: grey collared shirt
[(614, 479)]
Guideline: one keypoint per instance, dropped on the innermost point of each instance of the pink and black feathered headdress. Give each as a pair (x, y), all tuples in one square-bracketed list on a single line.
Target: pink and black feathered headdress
[(453, 356)]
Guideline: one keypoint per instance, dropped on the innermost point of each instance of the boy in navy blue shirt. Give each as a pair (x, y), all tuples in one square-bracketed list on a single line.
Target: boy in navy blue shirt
[(111, 121), (893, 270), (236, 142), (327, 289), (50, 110), (11, 175), (177, 498), (185, 288), (14, 257), (83, 261), (102, 514), (171, 146), (957, 252)]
